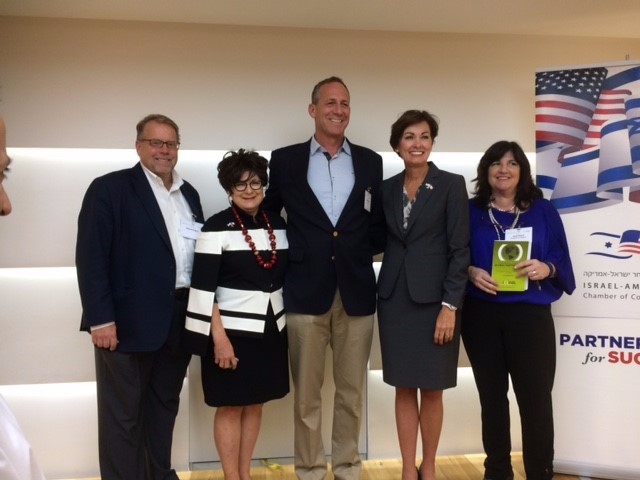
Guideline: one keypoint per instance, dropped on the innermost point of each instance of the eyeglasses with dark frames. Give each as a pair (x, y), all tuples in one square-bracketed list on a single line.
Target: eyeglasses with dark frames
[(242, 186), (156, 143)]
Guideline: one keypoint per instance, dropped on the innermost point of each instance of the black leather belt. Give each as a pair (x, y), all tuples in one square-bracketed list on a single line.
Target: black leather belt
[(181, 293)]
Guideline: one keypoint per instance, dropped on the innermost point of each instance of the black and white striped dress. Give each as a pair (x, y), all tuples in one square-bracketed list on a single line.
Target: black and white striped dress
[(251, 307)]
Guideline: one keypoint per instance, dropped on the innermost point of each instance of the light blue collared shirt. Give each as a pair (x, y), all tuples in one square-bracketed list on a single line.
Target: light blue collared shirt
[(331, 180)]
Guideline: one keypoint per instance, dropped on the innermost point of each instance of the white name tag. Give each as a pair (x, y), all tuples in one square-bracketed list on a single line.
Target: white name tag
[(524, 234), (190, 230), (367, 200)]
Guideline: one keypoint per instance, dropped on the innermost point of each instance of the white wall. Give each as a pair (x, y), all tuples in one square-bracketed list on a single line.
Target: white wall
[(74, 83), (84, 84)]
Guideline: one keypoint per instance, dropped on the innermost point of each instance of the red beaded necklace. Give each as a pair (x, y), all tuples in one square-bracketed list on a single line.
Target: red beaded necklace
[(247, 238)]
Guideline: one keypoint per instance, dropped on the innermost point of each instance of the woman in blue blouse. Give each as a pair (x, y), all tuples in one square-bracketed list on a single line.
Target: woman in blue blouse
[(511, 333)]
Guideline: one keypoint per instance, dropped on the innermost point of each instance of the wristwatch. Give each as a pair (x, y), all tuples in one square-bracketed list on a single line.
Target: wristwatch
[(449, 306)]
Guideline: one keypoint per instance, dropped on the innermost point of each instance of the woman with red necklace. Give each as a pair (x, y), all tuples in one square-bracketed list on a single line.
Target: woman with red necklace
[(235, 318)]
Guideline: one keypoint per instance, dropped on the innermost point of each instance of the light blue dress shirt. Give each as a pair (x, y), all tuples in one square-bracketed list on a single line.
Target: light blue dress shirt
[(331, 180)]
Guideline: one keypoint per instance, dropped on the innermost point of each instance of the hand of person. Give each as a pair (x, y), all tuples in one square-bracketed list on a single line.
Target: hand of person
[(223, 353), (483, 280), (445, 326), (534, 269), (105, 337)]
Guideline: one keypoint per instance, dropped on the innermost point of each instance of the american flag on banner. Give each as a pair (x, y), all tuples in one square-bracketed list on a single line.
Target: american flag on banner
[(587, 136), (565, 103), (630, 242)]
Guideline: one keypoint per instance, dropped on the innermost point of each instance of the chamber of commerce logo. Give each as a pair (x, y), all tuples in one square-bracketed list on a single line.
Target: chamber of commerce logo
[(613, 245)]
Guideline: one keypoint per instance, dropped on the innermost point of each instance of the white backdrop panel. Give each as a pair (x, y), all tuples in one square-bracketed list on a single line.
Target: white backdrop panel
[(40, 322), (61, 423)]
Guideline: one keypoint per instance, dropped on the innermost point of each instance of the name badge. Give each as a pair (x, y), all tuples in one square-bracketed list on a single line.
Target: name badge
[(524, 234), (367, 199), (190, 229)]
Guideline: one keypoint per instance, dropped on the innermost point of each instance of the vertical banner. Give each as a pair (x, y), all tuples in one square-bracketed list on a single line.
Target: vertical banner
[(588, 165)]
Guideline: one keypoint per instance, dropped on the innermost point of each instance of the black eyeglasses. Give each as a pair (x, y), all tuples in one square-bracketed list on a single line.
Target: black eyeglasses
[(242, 186), (156, 143)]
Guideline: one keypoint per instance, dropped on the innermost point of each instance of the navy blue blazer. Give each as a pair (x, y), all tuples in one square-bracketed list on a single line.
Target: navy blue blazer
[(321, 257), (125, 264)]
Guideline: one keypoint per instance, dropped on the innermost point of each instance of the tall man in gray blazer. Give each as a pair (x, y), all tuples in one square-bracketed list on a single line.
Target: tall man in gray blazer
[(136, 238), (329, 189)]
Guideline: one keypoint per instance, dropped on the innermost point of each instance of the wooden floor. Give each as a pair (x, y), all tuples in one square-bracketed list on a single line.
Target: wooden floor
[(459, 467)]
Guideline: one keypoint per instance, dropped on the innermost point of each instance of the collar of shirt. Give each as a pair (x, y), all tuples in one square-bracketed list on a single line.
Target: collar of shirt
[(154, 179), (317, 148)]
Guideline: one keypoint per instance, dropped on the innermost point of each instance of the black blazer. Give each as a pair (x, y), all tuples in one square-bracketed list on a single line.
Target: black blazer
[(321, 257), (435, 248), (124, 260)]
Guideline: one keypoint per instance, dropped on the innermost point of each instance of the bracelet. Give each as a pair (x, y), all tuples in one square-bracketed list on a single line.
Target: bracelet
[(552, 269)]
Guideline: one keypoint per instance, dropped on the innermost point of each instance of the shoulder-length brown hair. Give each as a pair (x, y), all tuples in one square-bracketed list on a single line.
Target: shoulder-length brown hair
[(526, 190)]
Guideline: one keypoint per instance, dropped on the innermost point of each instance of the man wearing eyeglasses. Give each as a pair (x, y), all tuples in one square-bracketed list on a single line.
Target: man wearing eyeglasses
[(329, 188), (136, 237)]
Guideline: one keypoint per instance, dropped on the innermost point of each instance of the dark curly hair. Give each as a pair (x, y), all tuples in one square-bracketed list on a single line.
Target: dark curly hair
[(235, 164), (408, 118), (526, 190)]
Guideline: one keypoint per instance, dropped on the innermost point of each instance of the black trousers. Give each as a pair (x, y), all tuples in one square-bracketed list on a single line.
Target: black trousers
[(516, 340), (138, 400)]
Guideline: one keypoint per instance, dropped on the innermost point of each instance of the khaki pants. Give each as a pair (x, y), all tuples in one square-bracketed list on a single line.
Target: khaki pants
[(350, 341)]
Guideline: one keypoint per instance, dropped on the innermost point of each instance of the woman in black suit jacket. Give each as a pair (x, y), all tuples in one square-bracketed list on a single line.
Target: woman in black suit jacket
[(421, 285)]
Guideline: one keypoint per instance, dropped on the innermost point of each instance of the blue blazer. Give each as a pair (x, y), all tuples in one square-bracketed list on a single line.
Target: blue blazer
[(323, 257), (125, 264)]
